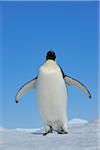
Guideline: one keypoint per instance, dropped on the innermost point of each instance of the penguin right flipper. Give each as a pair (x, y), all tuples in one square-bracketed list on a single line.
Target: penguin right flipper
[(25, 88), (71, 81)]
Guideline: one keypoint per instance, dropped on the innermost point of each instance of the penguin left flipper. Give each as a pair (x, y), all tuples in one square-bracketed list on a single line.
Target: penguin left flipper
[(25, 88), (78, 84)]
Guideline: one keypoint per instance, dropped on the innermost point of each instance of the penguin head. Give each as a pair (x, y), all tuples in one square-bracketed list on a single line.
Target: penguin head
[(51, 55)]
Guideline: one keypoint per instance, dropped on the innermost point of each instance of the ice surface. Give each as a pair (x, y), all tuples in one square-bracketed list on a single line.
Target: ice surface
[(85, 136)]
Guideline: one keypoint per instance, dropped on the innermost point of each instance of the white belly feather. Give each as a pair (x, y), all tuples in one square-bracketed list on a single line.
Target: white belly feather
[(51, 93)]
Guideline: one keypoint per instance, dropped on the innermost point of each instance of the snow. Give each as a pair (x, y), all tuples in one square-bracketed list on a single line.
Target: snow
[(29, 130), (85, 136), (77, 122)]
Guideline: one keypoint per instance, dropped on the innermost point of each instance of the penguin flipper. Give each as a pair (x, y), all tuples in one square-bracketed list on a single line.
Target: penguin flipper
[(25, 88), (78, 84)]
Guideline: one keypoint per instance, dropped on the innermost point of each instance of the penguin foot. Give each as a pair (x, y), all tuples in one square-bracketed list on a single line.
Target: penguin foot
[(49, 131), (62, 132), (45, 133)]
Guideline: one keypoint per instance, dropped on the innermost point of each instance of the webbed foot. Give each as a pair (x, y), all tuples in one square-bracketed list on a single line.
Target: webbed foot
[(62, 132), (49, 131)]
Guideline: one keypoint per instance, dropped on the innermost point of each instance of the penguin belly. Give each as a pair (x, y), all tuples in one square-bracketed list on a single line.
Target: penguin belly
[(52, 97)]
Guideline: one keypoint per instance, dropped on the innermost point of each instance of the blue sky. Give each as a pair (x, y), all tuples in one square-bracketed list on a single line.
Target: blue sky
[(29, 30)]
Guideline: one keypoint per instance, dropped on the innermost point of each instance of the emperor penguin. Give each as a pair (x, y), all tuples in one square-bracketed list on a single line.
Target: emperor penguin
[(51, 90)]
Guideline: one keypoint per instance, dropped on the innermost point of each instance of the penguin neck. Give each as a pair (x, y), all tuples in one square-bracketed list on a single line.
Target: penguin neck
[(50, 61), (50, 65)]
